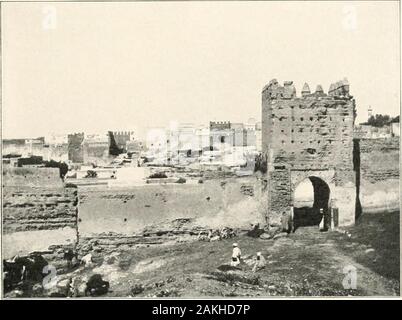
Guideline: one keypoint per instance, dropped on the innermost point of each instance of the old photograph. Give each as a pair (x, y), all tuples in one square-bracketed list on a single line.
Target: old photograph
[(200, 149)]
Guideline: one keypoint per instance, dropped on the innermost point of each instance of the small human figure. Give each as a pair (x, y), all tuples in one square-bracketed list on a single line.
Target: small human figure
[(260, 262), (323, 223), (236, 255)]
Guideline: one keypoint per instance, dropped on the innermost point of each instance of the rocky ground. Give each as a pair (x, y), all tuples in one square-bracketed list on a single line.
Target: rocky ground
[(305, 263)]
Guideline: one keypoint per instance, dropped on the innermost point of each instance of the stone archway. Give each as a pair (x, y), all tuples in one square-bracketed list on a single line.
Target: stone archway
[(307, 207)]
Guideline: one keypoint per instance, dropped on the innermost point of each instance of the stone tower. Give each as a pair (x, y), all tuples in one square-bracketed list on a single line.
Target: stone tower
[(309, 137)]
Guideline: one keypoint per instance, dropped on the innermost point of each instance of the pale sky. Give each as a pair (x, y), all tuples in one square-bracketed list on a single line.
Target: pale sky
[(92, 67)]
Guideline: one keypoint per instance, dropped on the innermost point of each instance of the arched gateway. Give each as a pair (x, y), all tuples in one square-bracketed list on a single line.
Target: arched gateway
[(309, 137), (311, 202)]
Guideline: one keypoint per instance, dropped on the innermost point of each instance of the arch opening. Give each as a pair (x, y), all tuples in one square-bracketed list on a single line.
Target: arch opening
[(310, 196)]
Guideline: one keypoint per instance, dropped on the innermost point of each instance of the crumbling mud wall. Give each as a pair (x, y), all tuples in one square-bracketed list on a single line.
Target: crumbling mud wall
[(38, 211), (379, 174), (309, 136), (125, 212)]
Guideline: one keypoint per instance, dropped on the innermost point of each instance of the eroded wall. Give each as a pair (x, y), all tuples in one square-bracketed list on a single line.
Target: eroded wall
[(36, 205), (219, 203), (379, 174)]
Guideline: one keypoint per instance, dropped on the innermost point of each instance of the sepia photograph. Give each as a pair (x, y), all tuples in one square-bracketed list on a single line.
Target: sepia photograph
[(200, 150)]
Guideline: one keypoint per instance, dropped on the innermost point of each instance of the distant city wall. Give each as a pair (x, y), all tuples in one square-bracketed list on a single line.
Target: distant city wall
[(379, 174)]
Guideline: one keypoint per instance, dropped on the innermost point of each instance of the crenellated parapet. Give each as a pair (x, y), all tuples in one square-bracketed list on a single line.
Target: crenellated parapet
[(219, 125), (339, 88), (273, 90), (123, 133)]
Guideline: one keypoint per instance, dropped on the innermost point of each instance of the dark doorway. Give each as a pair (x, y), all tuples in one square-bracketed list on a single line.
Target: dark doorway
[(307, 208)]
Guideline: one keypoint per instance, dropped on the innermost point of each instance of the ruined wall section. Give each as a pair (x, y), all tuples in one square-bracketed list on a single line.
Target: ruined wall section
[(379, 159), (38, 209), (119, 216), (379, 174), (36, 205)]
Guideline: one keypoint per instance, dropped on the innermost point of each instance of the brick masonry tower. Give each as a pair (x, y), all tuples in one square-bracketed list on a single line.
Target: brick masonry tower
[(309, 137)]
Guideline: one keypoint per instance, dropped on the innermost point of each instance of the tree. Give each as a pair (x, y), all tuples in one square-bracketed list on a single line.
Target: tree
[(379, 120)]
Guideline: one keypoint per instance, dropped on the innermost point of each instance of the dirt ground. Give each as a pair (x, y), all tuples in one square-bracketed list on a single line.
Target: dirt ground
[(306, 263)]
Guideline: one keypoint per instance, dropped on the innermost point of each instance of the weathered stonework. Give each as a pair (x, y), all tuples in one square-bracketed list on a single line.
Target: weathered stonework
[(75, 150), (309, 137), (39, 213), (44, 209), (379, 174)]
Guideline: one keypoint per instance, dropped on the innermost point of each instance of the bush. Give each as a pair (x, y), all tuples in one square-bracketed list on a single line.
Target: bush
[(158, 175), (91, 174), (181, 180)]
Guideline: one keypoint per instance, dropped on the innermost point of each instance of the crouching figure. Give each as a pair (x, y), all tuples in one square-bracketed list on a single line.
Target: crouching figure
[(260, 262)]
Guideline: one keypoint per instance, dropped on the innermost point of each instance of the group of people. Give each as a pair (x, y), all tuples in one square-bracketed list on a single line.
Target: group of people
[(259, 260)]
